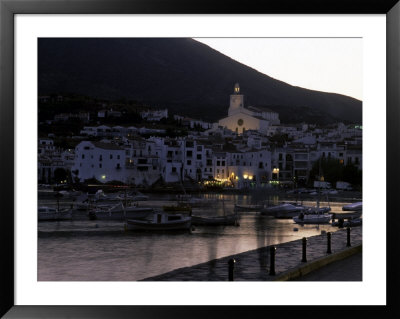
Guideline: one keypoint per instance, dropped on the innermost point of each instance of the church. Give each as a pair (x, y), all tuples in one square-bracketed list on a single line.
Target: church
[(240, 119)]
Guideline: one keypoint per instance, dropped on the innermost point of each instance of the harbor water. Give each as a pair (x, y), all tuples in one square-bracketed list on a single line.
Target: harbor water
[(96, 250)]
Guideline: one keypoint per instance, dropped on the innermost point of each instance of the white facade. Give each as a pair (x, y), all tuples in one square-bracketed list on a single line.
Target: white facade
[(103, 161)]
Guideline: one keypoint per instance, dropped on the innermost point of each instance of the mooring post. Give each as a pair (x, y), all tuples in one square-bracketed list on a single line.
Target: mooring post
[(304, 241), (272, 251), (231, 264), (329, 235), (348, 236)]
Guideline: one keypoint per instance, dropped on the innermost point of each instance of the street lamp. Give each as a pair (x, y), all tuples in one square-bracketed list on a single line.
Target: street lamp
[(276, 171)]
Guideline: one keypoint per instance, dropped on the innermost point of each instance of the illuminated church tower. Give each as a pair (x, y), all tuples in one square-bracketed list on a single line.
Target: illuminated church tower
[(236, 103)]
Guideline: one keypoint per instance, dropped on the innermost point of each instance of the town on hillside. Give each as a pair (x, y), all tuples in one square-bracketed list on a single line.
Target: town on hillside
[(145, 147)]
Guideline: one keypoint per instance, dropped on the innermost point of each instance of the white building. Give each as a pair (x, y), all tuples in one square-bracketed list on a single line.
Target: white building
[(154, 115), (103, 161)]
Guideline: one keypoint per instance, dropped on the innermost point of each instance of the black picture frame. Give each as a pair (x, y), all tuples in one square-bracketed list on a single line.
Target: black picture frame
[(9, 8)]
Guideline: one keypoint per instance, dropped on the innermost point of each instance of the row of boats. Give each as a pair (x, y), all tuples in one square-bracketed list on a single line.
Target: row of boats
[(303, 214), (123, 208), (172, 217)]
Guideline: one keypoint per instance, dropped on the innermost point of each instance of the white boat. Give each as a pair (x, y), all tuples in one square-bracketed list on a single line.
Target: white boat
[(48, 214), (321, 218), (118, 212), (160, 221), (284, 210), (353, 206)]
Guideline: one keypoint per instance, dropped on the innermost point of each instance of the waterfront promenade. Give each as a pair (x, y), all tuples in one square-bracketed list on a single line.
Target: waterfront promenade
[(255, 265)]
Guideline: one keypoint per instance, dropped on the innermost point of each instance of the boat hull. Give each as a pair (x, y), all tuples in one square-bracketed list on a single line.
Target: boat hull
[(313, 219), (215, 221), (148, 225)]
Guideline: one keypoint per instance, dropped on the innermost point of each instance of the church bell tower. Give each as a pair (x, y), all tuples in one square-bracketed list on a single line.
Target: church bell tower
[(236, 102)]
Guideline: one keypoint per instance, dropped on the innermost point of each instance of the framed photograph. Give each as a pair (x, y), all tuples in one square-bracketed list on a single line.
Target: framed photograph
[(175, 159)]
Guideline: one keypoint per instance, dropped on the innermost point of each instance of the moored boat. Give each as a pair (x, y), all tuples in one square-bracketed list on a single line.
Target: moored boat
[(353, 207), (160, 221), (52, 214), (307, 218), (118, 212), (284, 210), (225, 220)]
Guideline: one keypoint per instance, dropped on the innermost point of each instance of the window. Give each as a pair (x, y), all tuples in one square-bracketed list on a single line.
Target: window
[(100, 166), (260, 165), (280, 156), (218, 163), (83, 156), (118, 157), (217, 171), (100, 157), (199, 156), (189, 154), (189, 162), (223, 163), (173, 169), (111, 156)]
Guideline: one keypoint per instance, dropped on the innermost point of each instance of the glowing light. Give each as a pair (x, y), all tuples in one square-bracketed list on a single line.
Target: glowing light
[(245, 176), (103, 176), (250, 177)]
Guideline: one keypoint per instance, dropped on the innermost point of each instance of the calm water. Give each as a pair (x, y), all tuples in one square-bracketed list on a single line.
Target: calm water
[(100, 250)]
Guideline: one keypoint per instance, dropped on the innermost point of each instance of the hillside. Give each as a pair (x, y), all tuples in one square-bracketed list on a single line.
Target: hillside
[(182, 74)]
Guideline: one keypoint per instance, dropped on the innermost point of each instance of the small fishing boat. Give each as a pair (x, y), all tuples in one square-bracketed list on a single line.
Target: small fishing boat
[(118, 212), (226, 220), (160, 221), (52, 214), (284, 210), (319, 218), (353, 207)]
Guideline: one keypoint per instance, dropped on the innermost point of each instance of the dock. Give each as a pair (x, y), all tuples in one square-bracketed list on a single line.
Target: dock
[(254, 265)]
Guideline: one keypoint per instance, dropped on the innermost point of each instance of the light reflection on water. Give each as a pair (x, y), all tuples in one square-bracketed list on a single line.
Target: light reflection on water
[(100, 250)]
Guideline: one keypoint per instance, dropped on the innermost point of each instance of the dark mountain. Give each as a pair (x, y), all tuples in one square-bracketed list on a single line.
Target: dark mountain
[(182, 74)]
